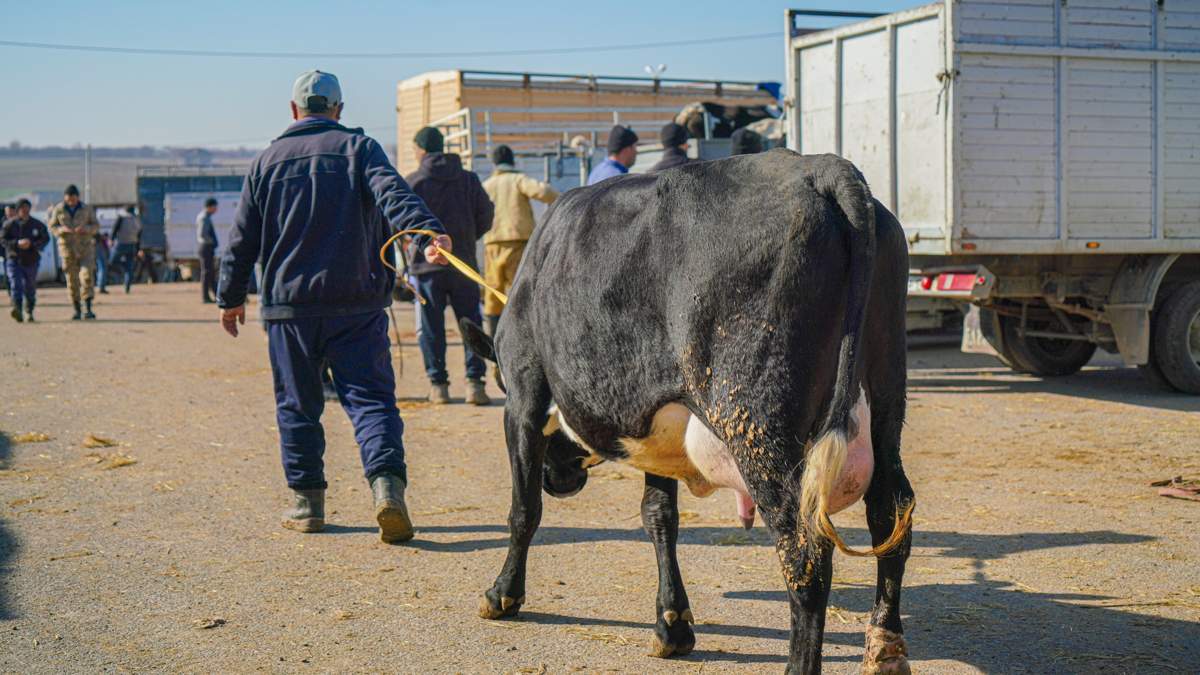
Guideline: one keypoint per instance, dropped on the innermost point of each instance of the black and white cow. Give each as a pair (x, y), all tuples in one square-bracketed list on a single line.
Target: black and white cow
[(737, 324)]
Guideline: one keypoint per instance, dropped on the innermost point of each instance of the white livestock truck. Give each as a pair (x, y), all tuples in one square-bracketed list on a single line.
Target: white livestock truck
[(1044, 158)]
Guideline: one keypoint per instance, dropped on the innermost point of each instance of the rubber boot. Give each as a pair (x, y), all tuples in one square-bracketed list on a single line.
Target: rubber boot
[(390, 510), (477, 393), (439, 393), (29, 305), (307, 513), (16, 312), (88, 314), (78, 314)]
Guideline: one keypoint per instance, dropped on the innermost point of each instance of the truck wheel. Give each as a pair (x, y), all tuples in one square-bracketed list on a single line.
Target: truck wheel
[(1153, 374), (989, 325), (1046, 357), (1176, 336)]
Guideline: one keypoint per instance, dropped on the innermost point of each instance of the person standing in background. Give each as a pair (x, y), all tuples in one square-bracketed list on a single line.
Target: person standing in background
[(24, 238), (675, 145), (622, 155), (10, 212), (127, 237), (459, 201), (510, 191), (102, 262), (75, 225), (206, 236)]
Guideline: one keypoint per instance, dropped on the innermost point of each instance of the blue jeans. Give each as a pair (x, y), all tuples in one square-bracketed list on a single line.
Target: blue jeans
[(22, 282), (101, 266), (439, 290), (125, 255), (356, 349)]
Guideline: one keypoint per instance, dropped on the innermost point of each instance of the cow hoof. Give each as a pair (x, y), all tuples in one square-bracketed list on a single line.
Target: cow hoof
[(502, 607), (673, 634), (887, 653)]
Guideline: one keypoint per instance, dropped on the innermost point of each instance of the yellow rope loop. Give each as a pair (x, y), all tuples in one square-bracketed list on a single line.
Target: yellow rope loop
[(458, 264)]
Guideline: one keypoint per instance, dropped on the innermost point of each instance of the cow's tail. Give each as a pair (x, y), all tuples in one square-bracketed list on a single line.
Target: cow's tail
[(842, 184), (477, 340)]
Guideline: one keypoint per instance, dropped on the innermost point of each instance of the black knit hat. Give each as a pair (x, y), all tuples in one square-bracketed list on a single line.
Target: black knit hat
[(71, 190), (672, 135), (620, 138), (429, 139), (745, 142), (502, 154)]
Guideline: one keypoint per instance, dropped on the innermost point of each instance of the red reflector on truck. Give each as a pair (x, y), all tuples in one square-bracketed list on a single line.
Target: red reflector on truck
[(956, 282)]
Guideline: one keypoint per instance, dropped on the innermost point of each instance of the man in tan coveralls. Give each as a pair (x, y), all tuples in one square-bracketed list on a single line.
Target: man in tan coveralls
[(75, 225), (510, 190)]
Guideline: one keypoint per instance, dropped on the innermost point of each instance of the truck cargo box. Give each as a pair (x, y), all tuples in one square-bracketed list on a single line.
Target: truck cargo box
[(532, 111), (1036, 126)]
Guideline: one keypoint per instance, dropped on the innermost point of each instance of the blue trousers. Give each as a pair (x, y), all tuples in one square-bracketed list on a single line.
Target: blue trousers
[(22, 281), (101, 265), (356, 349), (439, 290), (125, 255)]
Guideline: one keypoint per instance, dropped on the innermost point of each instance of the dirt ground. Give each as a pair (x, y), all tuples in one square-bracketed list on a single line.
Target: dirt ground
[(1039, 546)]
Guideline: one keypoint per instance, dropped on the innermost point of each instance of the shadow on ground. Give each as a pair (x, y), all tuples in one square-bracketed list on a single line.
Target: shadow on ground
[(8, 544), (990, 624), (1105, 380)]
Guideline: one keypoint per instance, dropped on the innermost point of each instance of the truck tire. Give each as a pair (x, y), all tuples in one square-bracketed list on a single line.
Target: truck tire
[(989, 325), (1045, 357), (1176, 338)]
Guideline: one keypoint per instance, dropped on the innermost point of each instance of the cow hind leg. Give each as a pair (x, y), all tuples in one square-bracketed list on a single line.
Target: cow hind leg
[(673, 615), (889, 498), (524, 418), (807, 565)]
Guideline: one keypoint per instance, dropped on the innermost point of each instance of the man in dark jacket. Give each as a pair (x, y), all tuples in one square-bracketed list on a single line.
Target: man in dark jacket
[(675, 144), (456, 196), (206, 247), (24, 238), (316, 207)]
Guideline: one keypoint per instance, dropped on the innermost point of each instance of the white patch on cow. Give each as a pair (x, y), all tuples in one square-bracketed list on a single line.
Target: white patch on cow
[(680, 446), (712, 457), (855, 476)]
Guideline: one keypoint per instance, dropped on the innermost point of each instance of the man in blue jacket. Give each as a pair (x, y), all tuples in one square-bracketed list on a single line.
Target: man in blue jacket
[(316, 207), (622, 154)]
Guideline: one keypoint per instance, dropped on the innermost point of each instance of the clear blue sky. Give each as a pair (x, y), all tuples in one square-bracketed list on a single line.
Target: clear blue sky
[(64, 97)]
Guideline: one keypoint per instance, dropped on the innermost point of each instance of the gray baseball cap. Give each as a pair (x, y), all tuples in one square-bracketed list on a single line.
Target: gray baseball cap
[(316, 91)]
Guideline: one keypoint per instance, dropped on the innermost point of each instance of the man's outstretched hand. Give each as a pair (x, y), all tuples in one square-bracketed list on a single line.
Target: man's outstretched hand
[(433, 255), (231, 317)]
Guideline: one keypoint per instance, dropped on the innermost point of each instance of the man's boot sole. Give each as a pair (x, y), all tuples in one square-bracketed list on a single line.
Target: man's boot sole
[(394, 524), (307, 525)]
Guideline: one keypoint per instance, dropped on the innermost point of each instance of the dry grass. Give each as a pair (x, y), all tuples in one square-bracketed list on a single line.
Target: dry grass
[(112, 460), (94, 441), (598, 636), (31, 437)]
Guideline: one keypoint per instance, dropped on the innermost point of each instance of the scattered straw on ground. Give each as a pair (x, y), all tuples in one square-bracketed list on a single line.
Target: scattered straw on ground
[(31, 437), (67, 556), (599, 636), (446, 509), (94, 441), (205, 624), (111, 460)]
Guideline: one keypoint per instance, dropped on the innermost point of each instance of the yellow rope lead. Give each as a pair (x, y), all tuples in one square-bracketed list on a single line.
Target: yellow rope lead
[(458, 264)]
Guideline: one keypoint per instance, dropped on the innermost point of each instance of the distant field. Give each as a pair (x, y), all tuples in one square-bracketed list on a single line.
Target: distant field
[(112, 177)]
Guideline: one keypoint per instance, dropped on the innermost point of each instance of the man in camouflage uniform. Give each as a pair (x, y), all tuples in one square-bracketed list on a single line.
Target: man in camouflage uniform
[(75, 225)]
